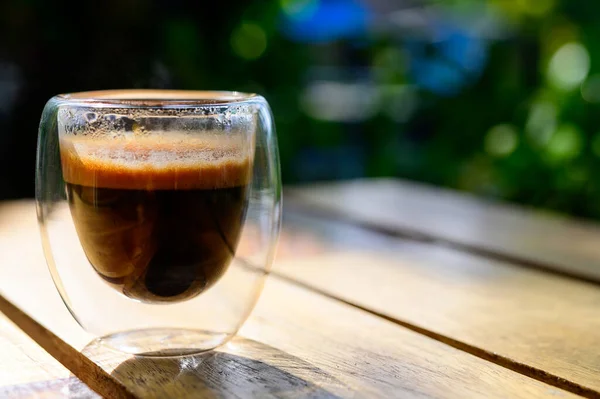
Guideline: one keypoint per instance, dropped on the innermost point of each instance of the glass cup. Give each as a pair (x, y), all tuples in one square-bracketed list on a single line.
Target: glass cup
[(159, 213)]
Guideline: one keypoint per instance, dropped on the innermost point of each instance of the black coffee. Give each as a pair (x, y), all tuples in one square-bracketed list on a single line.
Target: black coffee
[(157, 234)]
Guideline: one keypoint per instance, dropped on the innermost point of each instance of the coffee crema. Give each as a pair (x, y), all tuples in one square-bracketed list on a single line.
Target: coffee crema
[(159, 218)]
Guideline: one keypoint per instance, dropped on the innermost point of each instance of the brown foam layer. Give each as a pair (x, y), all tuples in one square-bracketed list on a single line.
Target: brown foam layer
[(154, 163)]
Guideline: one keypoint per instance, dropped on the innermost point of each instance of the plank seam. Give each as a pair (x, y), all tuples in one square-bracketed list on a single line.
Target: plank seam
[(83, 368), (503, 361), (408, 234)]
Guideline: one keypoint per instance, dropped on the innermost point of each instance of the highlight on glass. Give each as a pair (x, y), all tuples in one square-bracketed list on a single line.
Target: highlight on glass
[(159, 213)]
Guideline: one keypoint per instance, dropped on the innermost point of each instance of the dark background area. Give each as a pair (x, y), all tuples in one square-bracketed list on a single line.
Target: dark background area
[(498, 98)]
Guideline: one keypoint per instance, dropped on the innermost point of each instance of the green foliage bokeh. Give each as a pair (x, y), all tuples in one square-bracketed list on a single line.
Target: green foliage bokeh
[(526, 128)]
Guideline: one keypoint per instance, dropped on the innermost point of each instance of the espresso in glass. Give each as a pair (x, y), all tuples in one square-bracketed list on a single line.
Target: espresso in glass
[(158, 217)]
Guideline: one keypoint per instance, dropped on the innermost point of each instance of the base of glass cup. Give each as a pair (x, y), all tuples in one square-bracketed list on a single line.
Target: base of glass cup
[(163, 342)]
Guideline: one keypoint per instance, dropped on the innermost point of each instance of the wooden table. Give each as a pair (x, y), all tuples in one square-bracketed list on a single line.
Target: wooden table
[(381, 288)]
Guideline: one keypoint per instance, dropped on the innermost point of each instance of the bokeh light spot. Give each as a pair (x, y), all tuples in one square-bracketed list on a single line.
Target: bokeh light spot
[(541, 122), (535, 7), (399, 102), (566, 143), (501, 140), (590, 90), (299, 9), (389, 61), (249, 41), (569, 66), (340, 102)]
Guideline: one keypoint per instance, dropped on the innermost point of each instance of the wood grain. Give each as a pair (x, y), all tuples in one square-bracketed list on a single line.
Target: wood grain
[(541, 324), (297, 344), (537, 239), (26, 370), (71, 387)]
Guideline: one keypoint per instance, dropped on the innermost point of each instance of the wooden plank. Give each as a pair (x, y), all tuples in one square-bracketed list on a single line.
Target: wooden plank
[(26, 370), (539, 324), (71, 387), (498, 230), (296, 344), (299, 344)]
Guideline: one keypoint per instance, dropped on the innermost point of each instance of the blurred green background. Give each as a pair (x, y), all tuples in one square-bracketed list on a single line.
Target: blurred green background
[(497, 97)]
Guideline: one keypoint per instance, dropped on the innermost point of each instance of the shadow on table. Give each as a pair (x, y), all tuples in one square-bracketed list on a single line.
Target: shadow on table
[(231, 371)]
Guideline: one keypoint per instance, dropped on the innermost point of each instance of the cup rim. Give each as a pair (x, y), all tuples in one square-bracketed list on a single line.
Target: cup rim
[(141, 98)]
